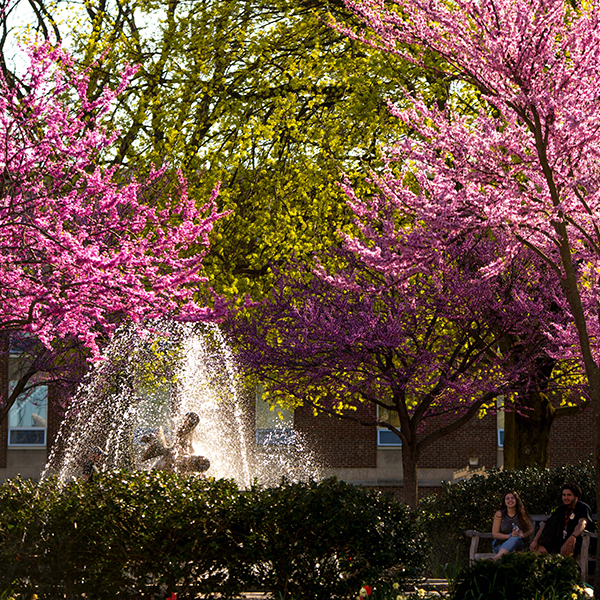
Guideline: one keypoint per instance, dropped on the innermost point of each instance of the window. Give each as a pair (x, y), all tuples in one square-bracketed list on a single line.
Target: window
[(274, 424), (385, 437), (27, 418)]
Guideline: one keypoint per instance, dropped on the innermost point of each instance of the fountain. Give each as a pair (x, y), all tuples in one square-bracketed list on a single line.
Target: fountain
[(170, 396)]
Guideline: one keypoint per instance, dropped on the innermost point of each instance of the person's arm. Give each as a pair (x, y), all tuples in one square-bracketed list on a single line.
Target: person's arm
[(534, 542), (569, 546), (581, 525), (496, 527)]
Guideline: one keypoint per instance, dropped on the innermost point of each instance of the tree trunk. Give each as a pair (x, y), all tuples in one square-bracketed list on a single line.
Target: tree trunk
[(10, 398), (594, 383), (4, 354), (527, 433), (410, 483)]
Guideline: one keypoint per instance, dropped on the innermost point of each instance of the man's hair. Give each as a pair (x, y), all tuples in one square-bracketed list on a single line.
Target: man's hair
[(573, 487)]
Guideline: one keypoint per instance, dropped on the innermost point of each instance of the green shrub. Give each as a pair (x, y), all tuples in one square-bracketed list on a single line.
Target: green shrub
[(127, 535), (519, 576), (471, 504), (148, 534), (19, 526), (323, 540)]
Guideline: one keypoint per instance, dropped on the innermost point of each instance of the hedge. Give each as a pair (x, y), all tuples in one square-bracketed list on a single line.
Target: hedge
[(149, 534)]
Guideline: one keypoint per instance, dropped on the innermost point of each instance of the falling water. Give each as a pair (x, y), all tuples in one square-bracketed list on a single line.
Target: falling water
[(147, 381)]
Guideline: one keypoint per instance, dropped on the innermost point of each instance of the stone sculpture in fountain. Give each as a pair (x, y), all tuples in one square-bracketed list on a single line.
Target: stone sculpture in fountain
[(179, 457)]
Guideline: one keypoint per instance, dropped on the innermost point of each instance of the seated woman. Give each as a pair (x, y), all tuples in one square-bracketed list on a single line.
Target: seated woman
[(511, 527)]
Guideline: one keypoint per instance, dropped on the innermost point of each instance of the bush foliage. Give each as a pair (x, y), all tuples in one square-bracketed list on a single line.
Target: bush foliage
[(519, 576), (153, 533)]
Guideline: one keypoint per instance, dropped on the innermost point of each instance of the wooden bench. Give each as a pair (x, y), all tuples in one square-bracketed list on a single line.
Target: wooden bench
[(582, 559)]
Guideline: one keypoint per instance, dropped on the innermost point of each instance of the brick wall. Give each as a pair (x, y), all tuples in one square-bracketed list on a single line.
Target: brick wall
[(347, 444), (572, 438), (344, 444), (477, 439), (339, 443)]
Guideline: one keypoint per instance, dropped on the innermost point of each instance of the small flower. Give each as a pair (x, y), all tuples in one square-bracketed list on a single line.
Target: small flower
[(365, 591), (396, 585)]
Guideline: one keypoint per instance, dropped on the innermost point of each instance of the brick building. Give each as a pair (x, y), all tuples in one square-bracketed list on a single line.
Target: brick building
[(355, 453)]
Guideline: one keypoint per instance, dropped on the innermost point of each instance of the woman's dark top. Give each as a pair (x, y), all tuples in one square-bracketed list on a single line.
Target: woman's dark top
[(507, 523)]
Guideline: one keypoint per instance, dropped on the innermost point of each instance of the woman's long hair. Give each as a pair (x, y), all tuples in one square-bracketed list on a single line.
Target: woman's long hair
[(522, 514)]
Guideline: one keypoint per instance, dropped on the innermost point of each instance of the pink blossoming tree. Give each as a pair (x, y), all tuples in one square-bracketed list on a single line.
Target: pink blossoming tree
[(524, 159), (407, 335), (84, 248)]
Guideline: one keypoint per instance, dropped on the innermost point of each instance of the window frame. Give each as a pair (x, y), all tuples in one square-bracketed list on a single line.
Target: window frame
[(385, 432), (16, 430)]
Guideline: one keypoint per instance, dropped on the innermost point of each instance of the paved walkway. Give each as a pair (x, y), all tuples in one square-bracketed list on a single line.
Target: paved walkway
[(431, 585)]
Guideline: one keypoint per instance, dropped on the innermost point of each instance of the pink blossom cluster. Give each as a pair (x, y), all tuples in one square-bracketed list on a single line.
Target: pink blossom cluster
[(403, 334), (424, 337), (524, 159), (84, 247)]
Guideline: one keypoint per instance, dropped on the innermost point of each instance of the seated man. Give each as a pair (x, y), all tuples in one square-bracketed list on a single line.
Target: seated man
[(562, 530)]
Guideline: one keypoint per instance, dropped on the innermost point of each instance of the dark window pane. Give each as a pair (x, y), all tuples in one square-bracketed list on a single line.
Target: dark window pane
[(27, 437), (385, 437)]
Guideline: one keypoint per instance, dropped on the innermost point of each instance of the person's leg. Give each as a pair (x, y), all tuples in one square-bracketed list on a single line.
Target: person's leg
[(513, 544)]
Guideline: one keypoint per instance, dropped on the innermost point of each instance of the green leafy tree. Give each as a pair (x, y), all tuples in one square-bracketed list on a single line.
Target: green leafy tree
[(262, 96)]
